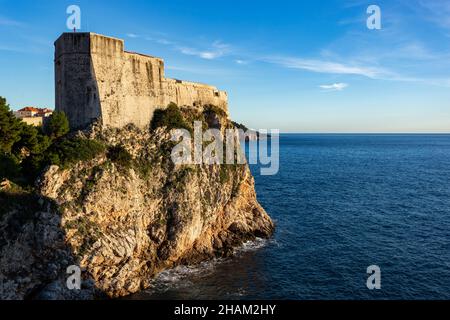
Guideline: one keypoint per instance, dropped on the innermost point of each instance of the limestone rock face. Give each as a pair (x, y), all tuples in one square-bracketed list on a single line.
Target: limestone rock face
[(122, 224)]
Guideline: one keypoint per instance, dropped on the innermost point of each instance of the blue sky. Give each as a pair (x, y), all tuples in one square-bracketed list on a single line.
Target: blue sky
[(299, 66)]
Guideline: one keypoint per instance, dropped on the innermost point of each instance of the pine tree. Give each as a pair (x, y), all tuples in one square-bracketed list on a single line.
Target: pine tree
[(10, 128), (58, 125)]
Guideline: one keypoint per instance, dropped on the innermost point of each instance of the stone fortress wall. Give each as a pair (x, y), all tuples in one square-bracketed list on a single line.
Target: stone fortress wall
[(95, 78)]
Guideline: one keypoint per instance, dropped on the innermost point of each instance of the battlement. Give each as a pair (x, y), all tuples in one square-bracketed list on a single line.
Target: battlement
[(96, 79)]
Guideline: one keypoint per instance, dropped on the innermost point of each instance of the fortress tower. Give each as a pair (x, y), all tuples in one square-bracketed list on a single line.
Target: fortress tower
[(96, 79)]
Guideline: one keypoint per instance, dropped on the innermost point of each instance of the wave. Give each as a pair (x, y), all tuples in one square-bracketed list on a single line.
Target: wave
[(179, 277)]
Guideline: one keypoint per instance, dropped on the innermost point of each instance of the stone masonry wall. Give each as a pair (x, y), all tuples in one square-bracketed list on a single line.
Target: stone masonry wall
[(97, 79)]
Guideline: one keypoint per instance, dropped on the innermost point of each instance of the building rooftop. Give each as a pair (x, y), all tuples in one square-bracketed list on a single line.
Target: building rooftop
[(34, 109), (30, 109)]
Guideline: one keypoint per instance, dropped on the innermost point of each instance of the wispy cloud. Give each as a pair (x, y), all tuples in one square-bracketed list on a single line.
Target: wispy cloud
[(150, 38), (436, 11), (161, 41), (12, 49), (132, 35), (334, 87), (216, 50), (4, 21), (209, 52), (400, 52), (325, 66), (242, 62), (200, 70), (378, 56)]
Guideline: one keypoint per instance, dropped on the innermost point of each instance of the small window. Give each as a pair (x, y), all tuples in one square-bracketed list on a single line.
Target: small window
[(216, 93), (88, 95)]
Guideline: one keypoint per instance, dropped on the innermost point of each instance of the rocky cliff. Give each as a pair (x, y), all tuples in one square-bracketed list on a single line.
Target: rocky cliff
[(124, 216)]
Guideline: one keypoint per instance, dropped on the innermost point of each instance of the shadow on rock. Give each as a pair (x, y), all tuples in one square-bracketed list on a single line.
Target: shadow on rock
[(33, 255)]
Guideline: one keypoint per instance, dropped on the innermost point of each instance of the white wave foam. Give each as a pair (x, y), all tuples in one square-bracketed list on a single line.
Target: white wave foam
[(253, 245), (178, 277)]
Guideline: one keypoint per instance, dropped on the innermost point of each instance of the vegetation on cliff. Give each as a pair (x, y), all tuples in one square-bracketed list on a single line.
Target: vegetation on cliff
[(24, 149), (171, 118), (113, 202)]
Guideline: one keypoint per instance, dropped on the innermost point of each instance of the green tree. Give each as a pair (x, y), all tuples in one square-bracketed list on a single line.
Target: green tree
[(58, 125), (22, 146), (10, 128), (119, 155), (170, 117), (28, 142), (9, 167)]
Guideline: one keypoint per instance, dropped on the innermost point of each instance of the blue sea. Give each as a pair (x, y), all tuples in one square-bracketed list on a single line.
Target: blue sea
[(340, 203)]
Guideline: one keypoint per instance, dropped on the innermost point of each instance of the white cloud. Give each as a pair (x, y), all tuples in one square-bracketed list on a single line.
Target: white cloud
[(364, 60), (159, 40), (132, 35), (11, 49), (164, 42), (321, 66), (334, 87), (199, 70), (4, 21), (217, 50), (436, 11)]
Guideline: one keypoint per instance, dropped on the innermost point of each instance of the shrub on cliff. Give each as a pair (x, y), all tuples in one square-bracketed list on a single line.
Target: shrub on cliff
[(239, 126), (171, 117), (209, 108), (63, 153), (120, 156), (32, 141), (70, 151), (57, 126), (18, 142), (10, 128), (9, 167)]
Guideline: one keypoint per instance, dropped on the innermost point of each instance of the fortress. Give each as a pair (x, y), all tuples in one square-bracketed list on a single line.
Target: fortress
[(96, 79)]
